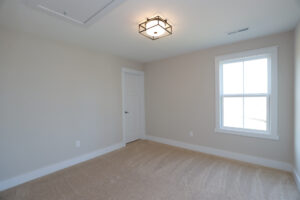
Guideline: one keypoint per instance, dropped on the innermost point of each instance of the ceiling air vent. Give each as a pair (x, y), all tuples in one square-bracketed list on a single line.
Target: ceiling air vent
[(84, 12)]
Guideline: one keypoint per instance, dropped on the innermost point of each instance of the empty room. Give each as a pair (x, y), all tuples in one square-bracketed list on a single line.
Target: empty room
[(149, 100)]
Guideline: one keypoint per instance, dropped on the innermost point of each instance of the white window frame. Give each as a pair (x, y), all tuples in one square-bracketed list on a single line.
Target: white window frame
[(272, 54)]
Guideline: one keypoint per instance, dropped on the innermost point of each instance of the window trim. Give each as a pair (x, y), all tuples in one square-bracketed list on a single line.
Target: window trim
[(272, 53)]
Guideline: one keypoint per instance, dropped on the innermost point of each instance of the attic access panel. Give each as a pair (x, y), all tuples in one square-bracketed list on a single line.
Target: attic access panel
[(79, 11)]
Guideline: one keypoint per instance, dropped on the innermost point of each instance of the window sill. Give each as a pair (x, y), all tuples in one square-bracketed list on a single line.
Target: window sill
[(247, 134)]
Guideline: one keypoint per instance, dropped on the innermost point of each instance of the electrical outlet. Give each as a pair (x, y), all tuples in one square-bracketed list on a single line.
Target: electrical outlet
[(77, 143), (191, 133)]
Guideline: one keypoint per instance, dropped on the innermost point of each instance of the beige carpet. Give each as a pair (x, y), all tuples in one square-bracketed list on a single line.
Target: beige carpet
[(147, 170)]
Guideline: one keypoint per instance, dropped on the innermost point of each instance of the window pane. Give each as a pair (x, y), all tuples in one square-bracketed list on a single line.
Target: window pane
[(256, 76), (255, 113), (233, 78), (233, 112)]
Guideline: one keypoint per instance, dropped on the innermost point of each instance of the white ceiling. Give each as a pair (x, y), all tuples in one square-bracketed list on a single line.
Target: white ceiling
[(197, 24)]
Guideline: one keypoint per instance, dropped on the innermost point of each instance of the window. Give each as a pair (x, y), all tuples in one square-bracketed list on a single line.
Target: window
[(246, 93)]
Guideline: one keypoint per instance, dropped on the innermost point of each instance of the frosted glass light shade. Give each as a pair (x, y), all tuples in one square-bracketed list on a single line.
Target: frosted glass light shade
[(155, 28)]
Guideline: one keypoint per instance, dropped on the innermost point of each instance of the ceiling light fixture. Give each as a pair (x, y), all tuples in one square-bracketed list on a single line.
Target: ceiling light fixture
[(155, 28)]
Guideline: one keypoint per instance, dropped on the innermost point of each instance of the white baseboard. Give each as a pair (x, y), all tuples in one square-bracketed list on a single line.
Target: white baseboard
[(226, 154), (297, 178), (6, 184)]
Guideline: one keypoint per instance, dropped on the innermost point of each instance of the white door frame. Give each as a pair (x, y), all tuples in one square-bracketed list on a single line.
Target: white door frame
[(140, 73)]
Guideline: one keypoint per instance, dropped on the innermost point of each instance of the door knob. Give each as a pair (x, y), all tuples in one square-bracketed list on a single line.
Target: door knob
[(126, 112)]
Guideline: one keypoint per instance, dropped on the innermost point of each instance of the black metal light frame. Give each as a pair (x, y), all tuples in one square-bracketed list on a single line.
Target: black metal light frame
[(143, 29)]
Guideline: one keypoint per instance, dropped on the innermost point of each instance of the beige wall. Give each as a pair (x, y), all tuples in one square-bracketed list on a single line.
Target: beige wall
[(297, 99), (51, 95), (180, 97)]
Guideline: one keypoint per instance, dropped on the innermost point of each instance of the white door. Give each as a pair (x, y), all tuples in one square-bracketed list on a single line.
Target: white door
[(133, 105)]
